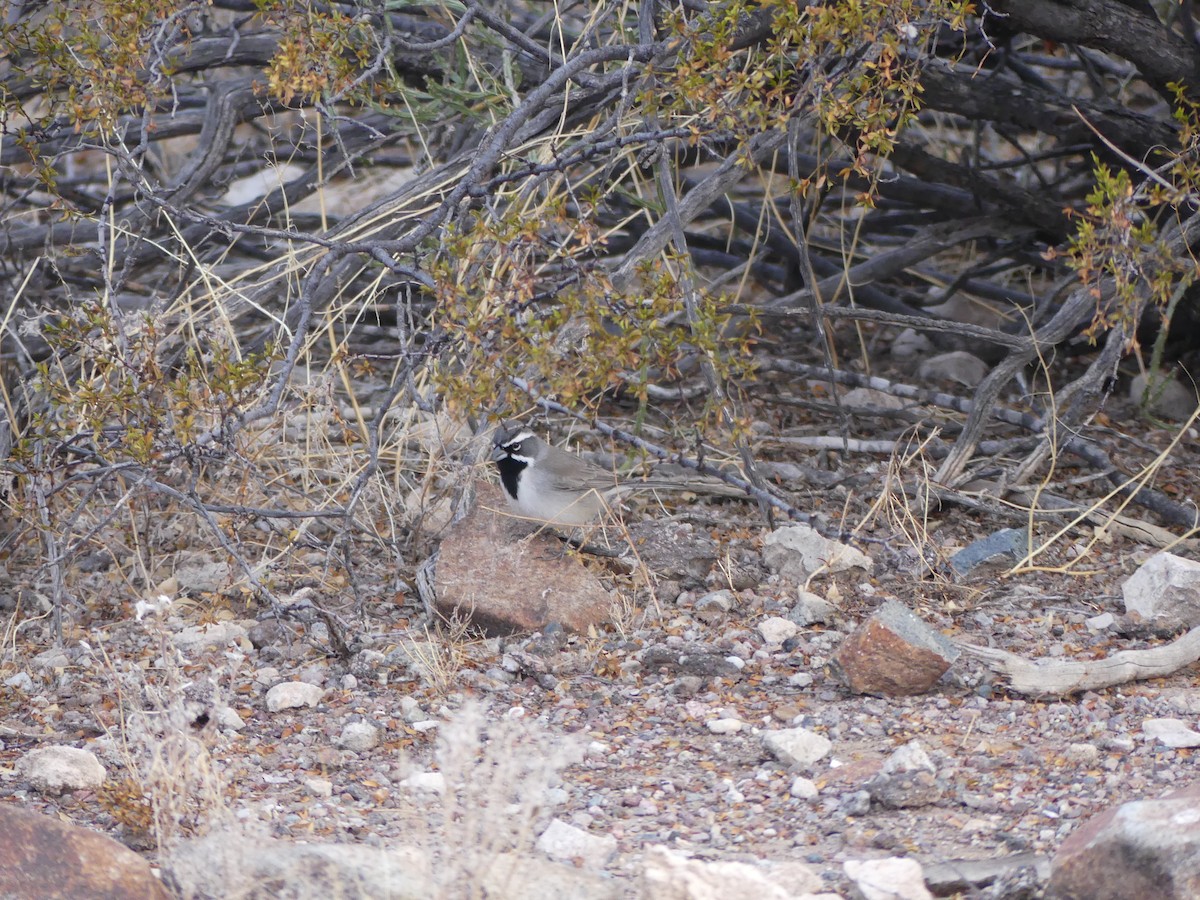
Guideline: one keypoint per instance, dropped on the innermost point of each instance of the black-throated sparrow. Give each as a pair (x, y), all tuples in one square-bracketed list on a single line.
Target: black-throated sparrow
[(551, 485)]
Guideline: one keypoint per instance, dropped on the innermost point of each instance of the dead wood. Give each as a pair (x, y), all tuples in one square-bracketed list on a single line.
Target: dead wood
[(1054, 677)]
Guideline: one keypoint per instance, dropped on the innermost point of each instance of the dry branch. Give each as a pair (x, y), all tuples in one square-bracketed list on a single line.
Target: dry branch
[(1055, 677)]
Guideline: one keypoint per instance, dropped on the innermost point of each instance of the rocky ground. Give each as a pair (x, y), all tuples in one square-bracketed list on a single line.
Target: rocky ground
[(647, 732)]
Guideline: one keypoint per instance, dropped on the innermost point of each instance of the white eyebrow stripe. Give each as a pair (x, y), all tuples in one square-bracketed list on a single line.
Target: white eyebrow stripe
[(518, 438)]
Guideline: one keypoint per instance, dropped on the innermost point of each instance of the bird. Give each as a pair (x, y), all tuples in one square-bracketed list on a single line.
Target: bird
[(551, 485)]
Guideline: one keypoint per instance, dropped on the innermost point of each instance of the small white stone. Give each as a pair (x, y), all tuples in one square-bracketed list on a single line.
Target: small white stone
[(359, 737), (803, 789), (725, 726), (1172, 733), (888, 879), (567, 843), (228, 719), (53, 770), (430, 782), (796, 746), (319, 787), (776, 629), (292, 695)]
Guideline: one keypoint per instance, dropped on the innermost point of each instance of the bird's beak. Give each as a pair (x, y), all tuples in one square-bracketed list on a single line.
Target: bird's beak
[(498, 453)]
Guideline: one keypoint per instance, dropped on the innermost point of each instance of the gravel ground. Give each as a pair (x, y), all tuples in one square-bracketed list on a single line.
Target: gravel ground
[(609, 743)]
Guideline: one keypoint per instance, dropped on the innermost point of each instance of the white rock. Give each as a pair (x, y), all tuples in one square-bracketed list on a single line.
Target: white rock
[(796, 551), (725, 726), (430, 782), (776, 629), (1100, 622), (359, 736), (811, 608), (667, 875), (319, 787), (1165, 587), (909, 343), (567, 843), (21, 682), (1170, 732), (197, 572), (804, 788), (292, 695), (215, 634), (228, 719), (53, 770), (796, 746), (887, 879), (54, 658), (910, 757), (958, 366)]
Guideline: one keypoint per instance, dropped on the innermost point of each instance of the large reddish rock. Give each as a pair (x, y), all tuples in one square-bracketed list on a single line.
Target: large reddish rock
[(491, 571), (44, 859), (893, 653), (1148, 848)]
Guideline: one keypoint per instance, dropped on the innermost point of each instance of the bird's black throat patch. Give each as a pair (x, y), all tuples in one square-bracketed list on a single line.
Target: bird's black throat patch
[(510, 472)]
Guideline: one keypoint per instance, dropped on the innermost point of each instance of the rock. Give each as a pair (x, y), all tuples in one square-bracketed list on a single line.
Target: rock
[(667, 875), (54, 658), (893, 653), (293, 695), (887, 879), (854, 803), (53, 770), (228, 718), (1167, 396), (1006, 545), (198, 573), (714, 606), (907, 779), (1100, 622), (1170, 733), (796, 747), (689, 660), (319, 787), (965, 876), (725, 726), (566, 843), (959, 366), (804, 788), (868, 399), (910, 343), (797, 551), (810, 609), (511, 876), (20, 682), (44, 859), (675, 550), (359, 737), (1166, 590), (428, 782), (775, 630), (216, 634), (490, 573), (235, 864), (271, 632), (1147, 848)]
